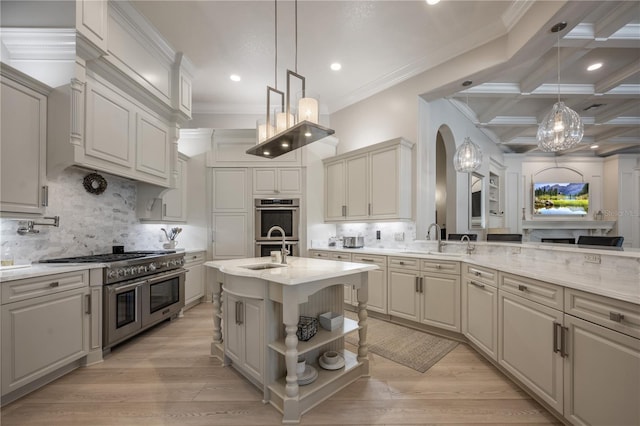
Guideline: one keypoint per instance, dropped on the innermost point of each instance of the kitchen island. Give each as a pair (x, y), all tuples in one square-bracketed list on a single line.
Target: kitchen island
[(257, 308)]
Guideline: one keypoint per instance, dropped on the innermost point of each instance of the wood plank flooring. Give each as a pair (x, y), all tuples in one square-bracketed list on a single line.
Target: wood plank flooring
[(165, 377)]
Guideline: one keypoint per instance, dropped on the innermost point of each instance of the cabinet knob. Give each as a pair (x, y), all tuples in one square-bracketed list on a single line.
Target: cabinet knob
[(522, 287), (54, 284), (615, 316)]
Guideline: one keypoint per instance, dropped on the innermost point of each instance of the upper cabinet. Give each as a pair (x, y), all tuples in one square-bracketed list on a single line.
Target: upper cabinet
[(372, 183), (23, 147), (230, 146), (277, 181), (171, 206), (92, 20)]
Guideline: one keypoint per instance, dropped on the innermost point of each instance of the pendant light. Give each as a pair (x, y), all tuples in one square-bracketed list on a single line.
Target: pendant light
[(286, 134), (468, 156), (562, 127)]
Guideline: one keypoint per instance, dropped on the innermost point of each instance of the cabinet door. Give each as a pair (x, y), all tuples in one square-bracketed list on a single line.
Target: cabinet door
[(289, 181), (110, 129), (153, 146), (384, 191), (526, 346), (233, 329), (253, 337), (230, 190), (230, 233), (277, 181), (194, 283), (43, 334), (174, 201), (265, 181), (480, 316), (403, 298), (357, 199), (92, 21), (23, 148), (334, 176), (378, 291), (602, 375), (440, 301)]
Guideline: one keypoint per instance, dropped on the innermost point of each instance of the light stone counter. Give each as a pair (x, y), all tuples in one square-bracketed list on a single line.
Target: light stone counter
[(298, 270), (41, 269), (617, 276)]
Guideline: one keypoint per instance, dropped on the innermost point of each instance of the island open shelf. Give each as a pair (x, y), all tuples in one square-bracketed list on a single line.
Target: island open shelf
[(321, 338)]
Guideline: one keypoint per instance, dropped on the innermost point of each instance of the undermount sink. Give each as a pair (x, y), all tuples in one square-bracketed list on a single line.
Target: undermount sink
[(259, 266)]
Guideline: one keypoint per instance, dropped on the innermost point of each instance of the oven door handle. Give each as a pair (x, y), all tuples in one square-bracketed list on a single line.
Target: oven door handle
[(120, 288), (166, 276), (277, 242), (278, 208)]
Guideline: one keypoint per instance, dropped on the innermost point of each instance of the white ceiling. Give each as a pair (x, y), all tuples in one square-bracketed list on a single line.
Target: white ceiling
[(382, 43)]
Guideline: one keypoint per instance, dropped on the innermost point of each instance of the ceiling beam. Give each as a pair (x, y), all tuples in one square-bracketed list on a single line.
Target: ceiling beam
[(496, 108), (617, 18), (547, 69), (617, 111), (617, 77)]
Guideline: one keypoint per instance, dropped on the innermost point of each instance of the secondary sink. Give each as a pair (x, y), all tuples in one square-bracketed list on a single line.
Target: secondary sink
[(259, 266)]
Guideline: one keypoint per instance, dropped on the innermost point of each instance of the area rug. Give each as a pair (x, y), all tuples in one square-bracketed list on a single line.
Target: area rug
[(412, 348)]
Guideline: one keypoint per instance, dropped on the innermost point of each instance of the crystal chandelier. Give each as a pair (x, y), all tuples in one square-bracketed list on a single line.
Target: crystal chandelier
[(562, 127), (468, 156), (286, 133)]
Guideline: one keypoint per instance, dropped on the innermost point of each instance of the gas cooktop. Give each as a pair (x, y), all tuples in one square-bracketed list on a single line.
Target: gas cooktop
[(108, 257)]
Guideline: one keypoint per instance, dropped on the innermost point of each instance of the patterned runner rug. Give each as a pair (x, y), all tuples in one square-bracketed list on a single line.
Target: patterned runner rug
[(412, 348)]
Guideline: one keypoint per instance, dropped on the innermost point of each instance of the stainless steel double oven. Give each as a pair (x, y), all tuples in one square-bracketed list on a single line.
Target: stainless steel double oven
[(282, 212)]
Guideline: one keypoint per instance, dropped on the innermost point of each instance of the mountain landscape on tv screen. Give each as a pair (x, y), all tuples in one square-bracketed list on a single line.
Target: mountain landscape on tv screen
[(561, 198)]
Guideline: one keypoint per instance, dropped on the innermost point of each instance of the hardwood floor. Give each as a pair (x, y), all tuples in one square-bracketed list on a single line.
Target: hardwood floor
[(165, 377)]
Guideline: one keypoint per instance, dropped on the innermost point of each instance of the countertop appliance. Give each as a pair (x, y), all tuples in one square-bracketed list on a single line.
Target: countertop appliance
[(141, 289), (353, 242)]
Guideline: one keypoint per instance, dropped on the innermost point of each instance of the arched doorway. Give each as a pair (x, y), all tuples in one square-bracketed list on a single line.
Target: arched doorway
[(446, 183)]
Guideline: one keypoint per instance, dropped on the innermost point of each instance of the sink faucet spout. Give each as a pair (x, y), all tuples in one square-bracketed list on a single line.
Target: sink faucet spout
[(284, 250), (438, 235)]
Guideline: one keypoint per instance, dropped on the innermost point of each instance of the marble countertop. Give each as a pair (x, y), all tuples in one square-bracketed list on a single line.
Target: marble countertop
[(299, 270), (18, 272), (617, 284)]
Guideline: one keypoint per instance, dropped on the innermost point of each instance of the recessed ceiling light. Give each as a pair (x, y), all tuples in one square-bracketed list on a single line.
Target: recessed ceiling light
[(594, 146), (267, 153), (285, 144), (235, 77), (432, 2), (595, 66), (308, 134), (336, 66)]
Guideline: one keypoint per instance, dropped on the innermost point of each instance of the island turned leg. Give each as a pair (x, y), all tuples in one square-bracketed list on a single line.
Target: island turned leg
[(290, 317), (363, 297)]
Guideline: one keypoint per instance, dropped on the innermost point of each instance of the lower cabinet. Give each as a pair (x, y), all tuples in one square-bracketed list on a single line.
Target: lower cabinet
[(243, 334), (194, 281), (377, 283), (480, 308), (45, 333)]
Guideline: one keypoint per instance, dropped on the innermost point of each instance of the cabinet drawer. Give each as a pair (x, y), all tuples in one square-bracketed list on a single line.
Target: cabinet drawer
[(440, 266), (319, 254), (27, 288), (614, 314), (404, 262), (194, 258), (345, 257), (481, 274), (365, 258), (539, 291)]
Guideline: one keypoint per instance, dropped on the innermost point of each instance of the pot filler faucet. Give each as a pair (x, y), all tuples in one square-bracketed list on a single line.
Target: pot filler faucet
[(438, 235), (284, 250)]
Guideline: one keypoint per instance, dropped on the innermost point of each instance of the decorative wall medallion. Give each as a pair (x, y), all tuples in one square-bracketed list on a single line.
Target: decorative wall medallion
[(94, 183)]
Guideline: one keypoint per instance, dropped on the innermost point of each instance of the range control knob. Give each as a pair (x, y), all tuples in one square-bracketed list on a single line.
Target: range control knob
[(152, 266), (141, 269), (112, 274), (120, 272)]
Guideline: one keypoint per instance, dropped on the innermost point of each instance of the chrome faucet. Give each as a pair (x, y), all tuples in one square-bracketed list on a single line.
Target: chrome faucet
[(439, 236), (470, 248), (284, 250)]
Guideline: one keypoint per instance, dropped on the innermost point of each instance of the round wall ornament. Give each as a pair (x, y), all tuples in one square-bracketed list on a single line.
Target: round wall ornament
[(94, 183)]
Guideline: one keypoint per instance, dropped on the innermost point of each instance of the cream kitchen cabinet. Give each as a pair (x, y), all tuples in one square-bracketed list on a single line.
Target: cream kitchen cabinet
[(92, 21), (530, 321), (174, 201), (194, 280), (480, 308), (277, 181), (232, 213), (45, 328), (23, 150), (377, 283), (372, 183), (602, 360), (425, 291), (244, 334)]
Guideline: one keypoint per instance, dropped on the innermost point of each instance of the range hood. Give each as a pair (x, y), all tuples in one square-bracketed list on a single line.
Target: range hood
[(291, 139)]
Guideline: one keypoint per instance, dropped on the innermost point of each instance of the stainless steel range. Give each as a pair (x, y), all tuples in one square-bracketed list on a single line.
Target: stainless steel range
[(141, 289)]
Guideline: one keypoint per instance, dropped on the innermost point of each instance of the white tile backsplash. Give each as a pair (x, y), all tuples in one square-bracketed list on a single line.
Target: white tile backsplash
[(388, 232), (89, 223)]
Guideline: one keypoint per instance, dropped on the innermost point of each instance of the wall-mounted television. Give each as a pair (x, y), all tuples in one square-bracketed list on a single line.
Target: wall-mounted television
[(560, 198)]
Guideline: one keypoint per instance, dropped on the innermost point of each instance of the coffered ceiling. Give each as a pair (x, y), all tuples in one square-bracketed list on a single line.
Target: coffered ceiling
[(382, 43)]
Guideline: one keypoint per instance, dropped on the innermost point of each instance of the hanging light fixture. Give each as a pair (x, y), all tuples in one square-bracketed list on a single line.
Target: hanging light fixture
[(468, 156), (285, 135), (562, 127)]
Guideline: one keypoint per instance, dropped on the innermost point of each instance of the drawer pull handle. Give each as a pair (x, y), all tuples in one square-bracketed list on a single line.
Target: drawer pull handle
[(438, 266), (477, 273), (401, 262), (476, 284), (366, 260), (522, 287), (54, 284), (615, 316)]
